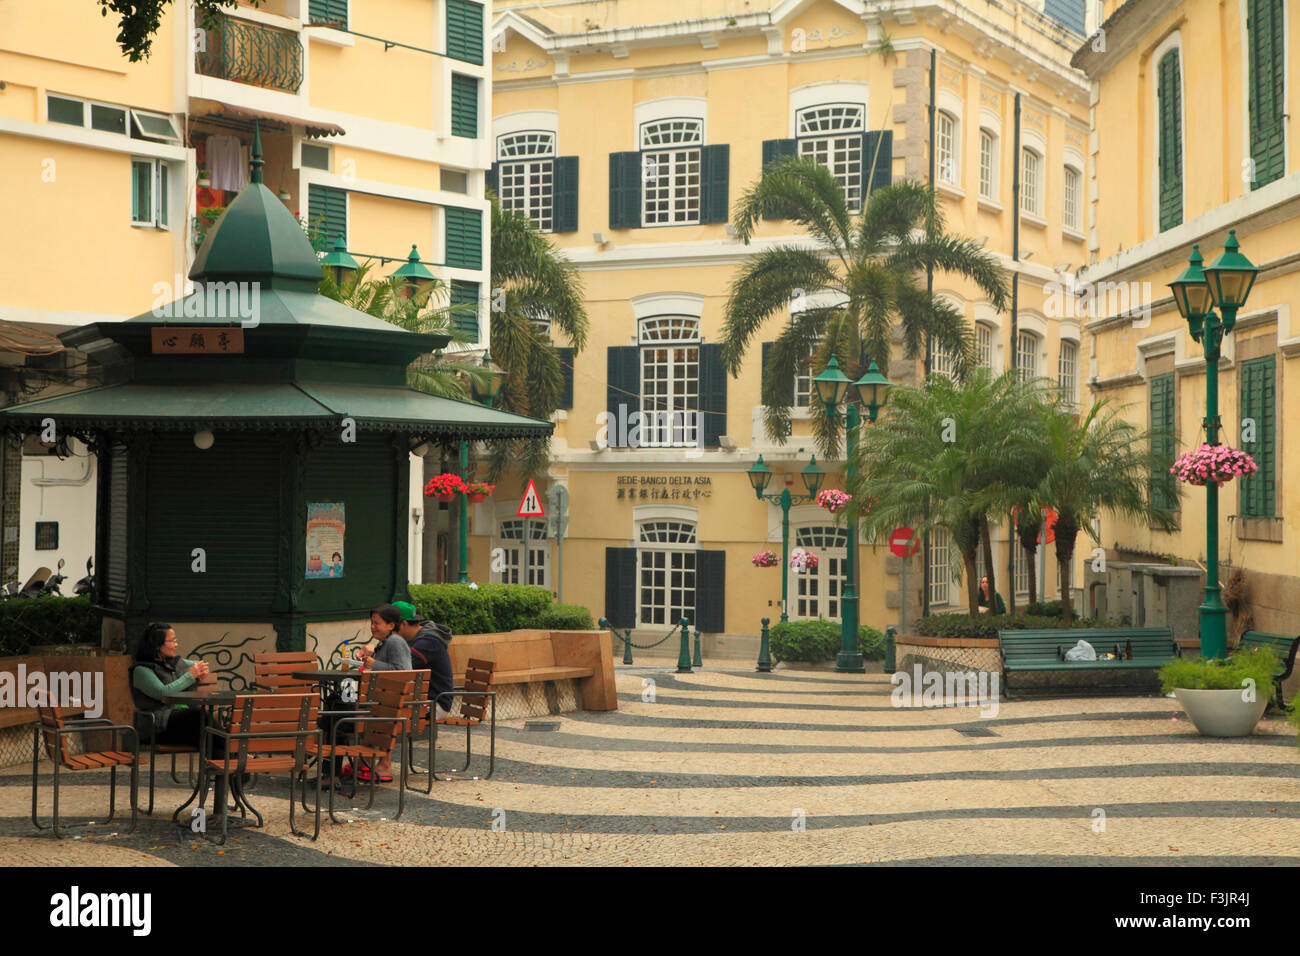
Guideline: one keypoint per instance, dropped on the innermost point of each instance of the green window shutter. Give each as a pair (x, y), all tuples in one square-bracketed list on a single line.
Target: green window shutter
[(775, 150), (490, 177), (623, 380), (565, 182), (713, 394), (715, 172), (327, 210), (464, 106), (625, 190), (1163, 490), (878, 159), (1267, 90), (329, 11), (1258, 402), (465, 294), (1169, 92), (464, 234), (565, 356), (710, 591), (465, 31), (620, 586)]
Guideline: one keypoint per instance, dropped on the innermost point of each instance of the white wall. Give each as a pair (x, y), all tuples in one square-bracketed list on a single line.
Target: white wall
[(69, 500)]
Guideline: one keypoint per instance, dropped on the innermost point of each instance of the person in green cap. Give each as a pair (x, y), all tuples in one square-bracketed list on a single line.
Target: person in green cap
[(429, 643)]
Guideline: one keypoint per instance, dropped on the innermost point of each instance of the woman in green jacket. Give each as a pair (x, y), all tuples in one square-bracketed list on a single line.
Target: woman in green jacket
[(159, 670), (984, 597)]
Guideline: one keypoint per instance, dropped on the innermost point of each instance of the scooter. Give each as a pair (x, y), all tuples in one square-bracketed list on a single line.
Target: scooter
[(87, 584), (54, 582), (35, 585)]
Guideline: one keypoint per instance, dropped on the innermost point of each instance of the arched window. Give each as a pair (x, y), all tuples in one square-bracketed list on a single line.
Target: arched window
[(665, 571), (670, 160), (511, 541), (984, 345), (525, 178), (817, 593), (1169, 138), (1067, 371), (988, 164), (945, 134), (670, 381), (1027, 355), (831, 133), (1031, 182), (1070, 216)]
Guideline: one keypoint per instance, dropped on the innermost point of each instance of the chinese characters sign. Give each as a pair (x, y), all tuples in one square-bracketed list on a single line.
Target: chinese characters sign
[(681, 488), (326, 525), (215, 341)]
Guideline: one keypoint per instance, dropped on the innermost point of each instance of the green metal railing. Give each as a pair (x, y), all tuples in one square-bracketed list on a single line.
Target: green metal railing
[(247, 52)]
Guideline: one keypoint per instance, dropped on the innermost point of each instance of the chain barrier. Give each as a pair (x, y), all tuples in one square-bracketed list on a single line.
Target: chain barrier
[(628, 644)]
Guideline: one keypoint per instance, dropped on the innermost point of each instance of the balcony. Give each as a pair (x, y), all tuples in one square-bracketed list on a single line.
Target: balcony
[(252, 53)]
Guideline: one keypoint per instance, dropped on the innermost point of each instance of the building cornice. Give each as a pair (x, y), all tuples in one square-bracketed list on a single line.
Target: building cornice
[(1121, 32)]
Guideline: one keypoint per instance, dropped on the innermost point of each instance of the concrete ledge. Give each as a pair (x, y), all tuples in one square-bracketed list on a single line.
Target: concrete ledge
[(517, 652)]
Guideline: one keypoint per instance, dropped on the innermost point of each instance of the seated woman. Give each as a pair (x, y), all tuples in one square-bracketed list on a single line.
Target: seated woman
[(984, 598), (392, 653), (159, 670)]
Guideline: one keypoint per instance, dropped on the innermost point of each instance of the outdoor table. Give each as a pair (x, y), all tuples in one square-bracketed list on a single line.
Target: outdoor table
[(209, 698)]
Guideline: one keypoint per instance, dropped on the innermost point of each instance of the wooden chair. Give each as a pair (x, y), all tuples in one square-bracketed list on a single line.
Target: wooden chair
[(268, 733), (273, 672), (155, 749), (55, 728), (388, 696), (476, 699)]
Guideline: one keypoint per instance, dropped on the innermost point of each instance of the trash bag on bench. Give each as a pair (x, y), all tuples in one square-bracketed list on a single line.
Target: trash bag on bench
[(1083, 651)]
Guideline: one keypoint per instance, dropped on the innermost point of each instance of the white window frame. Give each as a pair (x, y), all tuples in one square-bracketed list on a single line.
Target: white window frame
[(159, 192), (1027, 370), (1067, 371), (682, 158), (1019, 568), (940, 571), (666, 342), (1031, 199), (134, 123), (533, 160), (823, 587), (510, 538), (1072, 198), (989, 169), (984, 345), (838, 146), (669, 557), (947, 143)]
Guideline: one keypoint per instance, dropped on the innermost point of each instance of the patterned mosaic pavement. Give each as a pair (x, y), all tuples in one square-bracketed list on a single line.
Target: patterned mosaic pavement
[(732, 767)]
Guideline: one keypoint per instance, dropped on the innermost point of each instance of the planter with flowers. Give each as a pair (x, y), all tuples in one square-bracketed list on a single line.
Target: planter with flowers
[(764, 559), (833, 500), (1223, 698), (444, 487), (1213, 463), (801, 561), (479, 490)]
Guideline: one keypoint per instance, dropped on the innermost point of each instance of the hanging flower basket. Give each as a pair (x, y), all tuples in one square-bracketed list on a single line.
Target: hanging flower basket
[(479, 490), (833, 500), (1213, 463), (444, 487), (765, 559), (802, 561)]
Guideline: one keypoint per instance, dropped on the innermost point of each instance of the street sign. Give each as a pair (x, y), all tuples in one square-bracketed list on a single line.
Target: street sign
[(1049, 526), (903, 542), (530, 506), (558, 500)]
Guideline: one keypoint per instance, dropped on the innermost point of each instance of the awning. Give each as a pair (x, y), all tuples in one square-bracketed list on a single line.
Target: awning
[(267, 407), (215, 108)]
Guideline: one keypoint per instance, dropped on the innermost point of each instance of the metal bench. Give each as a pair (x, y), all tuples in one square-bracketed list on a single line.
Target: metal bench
[(1281, 645), (1134, 648)]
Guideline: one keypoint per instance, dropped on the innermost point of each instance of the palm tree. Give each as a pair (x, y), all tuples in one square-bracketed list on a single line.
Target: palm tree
[(942, 456), (1098, 463), (869, 263), (535, 292), (384, 298)]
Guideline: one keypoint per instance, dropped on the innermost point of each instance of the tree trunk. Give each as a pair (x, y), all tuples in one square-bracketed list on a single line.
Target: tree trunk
[(1067, 530), (1033, 574), (987, 544), (972, 583)]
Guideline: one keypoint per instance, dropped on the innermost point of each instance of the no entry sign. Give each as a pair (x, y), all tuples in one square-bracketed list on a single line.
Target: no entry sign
[(904, 542)]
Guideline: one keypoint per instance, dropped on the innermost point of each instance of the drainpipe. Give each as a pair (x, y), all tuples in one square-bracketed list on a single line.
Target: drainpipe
[(1015, 312)]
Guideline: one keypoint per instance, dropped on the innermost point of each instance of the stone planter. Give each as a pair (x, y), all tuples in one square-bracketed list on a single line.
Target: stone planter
[(1221, 713)]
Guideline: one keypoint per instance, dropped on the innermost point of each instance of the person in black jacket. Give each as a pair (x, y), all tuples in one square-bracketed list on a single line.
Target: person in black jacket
[(429, 643)]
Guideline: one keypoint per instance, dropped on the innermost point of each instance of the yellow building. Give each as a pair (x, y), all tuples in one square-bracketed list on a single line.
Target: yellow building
[(1191, 102), (628, 136), (373, 119)]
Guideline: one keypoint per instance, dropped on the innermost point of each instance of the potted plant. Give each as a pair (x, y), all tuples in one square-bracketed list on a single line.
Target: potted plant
[(478, 490), (764, 559), (802, 560), (1213, 463), (444, 487), (1223, 698), (205, 178), (833, 500), (284, 194)]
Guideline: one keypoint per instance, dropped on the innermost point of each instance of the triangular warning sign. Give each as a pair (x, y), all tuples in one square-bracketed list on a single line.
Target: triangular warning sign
[(530, 505)]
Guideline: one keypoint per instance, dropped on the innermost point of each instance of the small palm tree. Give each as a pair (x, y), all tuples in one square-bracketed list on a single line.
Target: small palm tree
[(942, 456), (869, 264), (384, 298), (1098, 463), (536, 291)]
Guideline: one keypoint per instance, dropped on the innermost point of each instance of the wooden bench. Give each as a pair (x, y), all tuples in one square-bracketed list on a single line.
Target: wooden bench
[(537, 656), (1281, 645), (1044, 650)]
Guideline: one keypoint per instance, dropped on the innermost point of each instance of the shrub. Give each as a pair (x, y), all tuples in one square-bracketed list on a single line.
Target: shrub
[(458, 606), (513, 605), (987, 625), (1044, 609), (25, 622), (1198, 673), (564, 617), (815, 641)]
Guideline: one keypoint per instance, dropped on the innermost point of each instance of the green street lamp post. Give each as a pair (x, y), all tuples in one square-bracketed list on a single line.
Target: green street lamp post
[(812, 476), (496, 377), (1225, 283), (414, 277), (871, 392), (339, 262)]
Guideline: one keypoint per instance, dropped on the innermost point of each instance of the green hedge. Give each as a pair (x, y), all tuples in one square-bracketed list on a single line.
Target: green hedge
[(812, 642), (1045, 609), (493, 608), (25, 622), (988, 625)]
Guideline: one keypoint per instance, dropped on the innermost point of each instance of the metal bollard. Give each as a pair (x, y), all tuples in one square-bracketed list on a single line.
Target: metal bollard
[(890, 664), (684, 658), (625, 638), (698, 662), (764, 653)]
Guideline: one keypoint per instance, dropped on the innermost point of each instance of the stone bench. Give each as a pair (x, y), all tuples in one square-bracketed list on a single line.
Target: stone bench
[(542, 672)]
